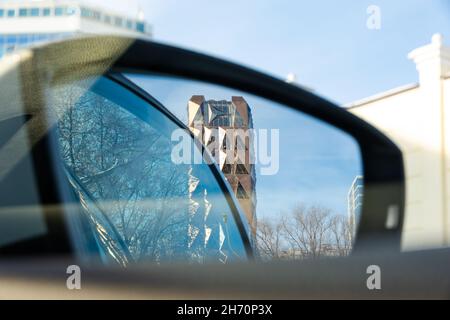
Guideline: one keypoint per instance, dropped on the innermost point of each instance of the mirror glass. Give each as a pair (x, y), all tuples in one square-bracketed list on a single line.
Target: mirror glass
[(199, 172)]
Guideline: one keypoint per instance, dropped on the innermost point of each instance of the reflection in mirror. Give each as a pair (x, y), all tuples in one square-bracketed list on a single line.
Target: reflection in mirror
[(297, 179), (201, 173), (139, 205)]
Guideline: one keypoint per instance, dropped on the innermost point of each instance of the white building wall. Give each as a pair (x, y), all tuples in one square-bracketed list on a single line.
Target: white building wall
[(445, 101), (61, 25), (417, 119), (39, 25)]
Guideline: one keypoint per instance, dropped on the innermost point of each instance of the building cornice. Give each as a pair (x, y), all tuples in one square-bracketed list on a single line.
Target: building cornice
[(381, 95)]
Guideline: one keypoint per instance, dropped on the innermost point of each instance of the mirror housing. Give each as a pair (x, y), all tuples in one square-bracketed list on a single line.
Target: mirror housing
[(383, 203)]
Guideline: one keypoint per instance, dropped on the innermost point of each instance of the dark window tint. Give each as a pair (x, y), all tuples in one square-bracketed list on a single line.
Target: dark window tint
[(59, 11), (140, 26), (34, 12), (23, 12)]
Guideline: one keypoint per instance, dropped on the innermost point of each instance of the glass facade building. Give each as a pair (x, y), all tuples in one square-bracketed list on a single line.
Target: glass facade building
[(24, 23), (11, 42), (355, 202), (217, 124)]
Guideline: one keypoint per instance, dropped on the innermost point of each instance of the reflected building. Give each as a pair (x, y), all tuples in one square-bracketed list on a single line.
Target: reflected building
[(23, 23), (222, 126), (355, 203)]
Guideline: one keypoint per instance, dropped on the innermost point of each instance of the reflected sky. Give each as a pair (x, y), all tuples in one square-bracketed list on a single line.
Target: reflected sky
[(317, 163)]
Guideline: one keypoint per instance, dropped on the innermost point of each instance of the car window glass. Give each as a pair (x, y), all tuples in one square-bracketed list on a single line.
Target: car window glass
[(118, 147)]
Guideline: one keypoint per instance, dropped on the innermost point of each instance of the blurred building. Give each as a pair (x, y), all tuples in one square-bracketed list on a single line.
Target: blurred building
[(417, 118), (28, 22), (354, 203), (211, 121), (325, 250)]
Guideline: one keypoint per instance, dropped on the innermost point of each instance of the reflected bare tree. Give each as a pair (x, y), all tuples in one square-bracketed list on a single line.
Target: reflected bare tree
[(124, 162), (269, 238), (305, 232), (342, 240)]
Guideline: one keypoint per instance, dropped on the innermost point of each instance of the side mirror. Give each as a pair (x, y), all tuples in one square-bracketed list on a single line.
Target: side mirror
[(301, 176)]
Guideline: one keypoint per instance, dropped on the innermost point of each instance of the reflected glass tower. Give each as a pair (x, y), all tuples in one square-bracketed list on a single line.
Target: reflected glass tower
[(222, 126), (355, 202)]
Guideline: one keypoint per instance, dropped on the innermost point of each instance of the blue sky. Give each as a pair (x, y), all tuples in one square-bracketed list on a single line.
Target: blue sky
[(317, 163), (325, 42)]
